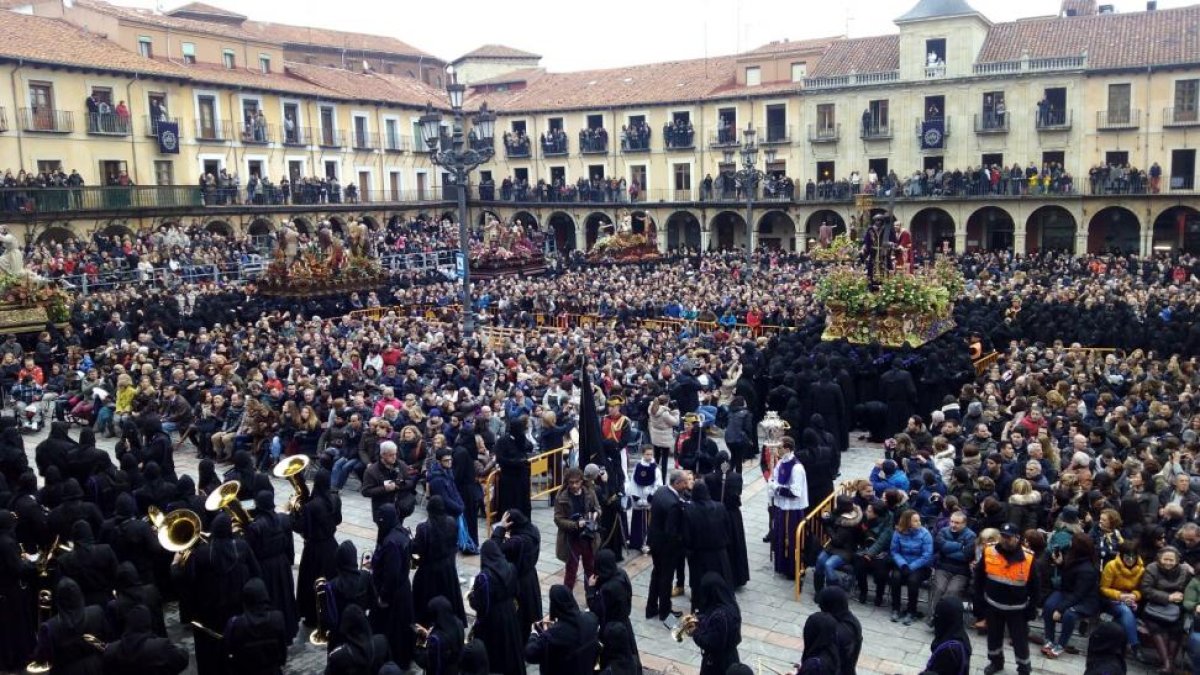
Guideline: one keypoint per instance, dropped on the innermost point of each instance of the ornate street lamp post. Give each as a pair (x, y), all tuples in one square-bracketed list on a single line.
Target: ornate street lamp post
[(448, 149), (749, 178)]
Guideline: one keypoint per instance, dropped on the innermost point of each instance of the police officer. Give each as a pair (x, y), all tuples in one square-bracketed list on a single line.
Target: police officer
[(1006, 588)]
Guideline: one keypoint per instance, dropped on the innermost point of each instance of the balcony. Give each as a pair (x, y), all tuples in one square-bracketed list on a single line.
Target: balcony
[(107, 124), (830, 133), (991, 123), (328, 137), (296, 136), (394, 142), (593, 141), (635, 144), (518, 150), (1053, 120), (726, 138), (258, 134), (777, 134), (936, 71), (945, 127), (680, 139), (479, 144), (213, 131), (47, 120), (366, 140), (1117, 120), (556, 147), (875, 132), (59, 200), (151, 125), (1181, 117)]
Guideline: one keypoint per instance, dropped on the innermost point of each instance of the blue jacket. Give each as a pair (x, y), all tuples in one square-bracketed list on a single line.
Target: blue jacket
[(882, 483), (914, 548), (441, 484), (955, 551)]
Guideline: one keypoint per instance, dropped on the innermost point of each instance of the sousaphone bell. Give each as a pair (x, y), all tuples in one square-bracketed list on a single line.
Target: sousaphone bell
[(292, 469), (180, 531), (226, 497)]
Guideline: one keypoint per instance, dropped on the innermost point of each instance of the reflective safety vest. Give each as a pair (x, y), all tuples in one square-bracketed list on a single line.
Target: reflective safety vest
[(1006, 577)]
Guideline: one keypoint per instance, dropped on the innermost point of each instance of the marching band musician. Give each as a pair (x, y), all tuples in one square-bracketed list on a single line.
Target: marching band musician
[(270, 537), (16, 598), (257, 639), (789, 495), (140, 650), (570, 642), (362, 651), (435, 544), (60, 640), (440, 650), (719, 629), (393, 616), (213, 576), (616, 434), (521, 543), (93, 566), (350, 586), (642, 484), (316, 521), (610, 598), (492, 597)]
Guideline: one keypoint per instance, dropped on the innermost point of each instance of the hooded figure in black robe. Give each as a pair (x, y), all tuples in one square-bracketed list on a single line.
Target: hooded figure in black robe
[(93, 566), (13, 461), (833, 601), (158, 447), (822, 651), (55, 450), (725, 487), (706, 537), (244, 473), (496, 623), (132, 592), (825, 399), (719, 630), (443, 648), (521, 543), (270, 537), (362, 652), (820, 459), (512, 456), (618, 655), (316, 521), (1106, 650), (213, 577), (156, 491), (610, 598), (571, 642), (351, 586), (60, 640), (257, 639), (897, 390), (435, 545), (952, 646), (141, 650), (17, 595), (393, 616), (71, 510)]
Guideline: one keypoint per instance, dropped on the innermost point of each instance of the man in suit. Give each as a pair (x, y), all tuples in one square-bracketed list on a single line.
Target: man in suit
[(666, 547)]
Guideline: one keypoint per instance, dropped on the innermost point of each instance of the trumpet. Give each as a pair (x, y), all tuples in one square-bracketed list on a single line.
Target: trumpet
[(154, 517), (320, 636), (226, 497), (687, 626), (179, 532), (207, 631), (292, 469)]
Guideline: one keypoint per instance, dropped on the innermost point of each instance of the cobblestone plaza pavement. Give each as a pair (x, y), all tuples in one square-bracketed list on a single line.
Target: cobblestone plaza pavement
[(772, 618)]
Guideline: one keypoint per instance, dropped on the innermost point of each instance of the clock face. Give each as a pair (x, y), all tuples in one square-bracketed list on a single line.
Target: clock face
[(169, 140), (933, 137)]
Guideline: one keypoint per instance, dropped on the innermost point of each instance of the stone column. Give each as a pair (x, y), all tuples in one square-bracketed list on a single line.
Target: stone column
[(704, 237)]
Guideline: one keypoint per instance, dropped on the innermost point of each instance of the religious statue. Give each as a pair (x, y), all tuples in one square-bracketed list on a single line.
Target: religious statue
[(359, 238), (290, 241), (12, 261)]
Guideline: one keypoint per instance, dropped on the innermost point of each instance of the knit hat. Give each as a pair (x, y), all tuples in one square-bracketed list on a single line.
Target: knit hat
[(591, 471), (889, 467)]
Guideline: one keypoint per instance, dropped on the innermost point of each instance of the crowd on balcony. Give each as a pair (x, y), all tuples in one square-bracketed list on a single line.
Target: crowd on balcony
[(1123, 179), (554, 142), (105, 118), (516, 143), (254, 127), (679, 134), (593, 140), (727, 186), (610, 189), (1050, 115), (981, 181), (635, 137), (19, 188)]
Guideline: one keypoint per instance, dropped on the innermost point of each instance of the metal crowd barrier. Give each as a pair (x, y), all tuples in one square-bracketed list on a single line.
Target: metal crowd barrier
[(811, 530)]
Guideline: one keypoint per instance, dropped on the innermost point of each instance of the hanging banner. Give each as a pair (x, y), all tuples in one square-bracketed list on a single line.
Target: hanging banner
[(168, 137), (933, 134)]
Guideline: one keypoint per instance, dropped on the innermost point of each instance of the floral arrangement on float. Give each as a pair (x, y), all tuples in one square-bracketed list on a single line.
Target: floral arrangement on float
[(29, 302), (914, 308), (841, 249), (622, 244), (317, 271)]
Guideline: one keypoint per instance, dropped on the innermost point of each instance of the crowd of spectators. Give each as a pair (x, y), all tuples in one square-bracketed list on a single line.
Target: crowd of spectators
[(981, 181), (554, 142), (1123, 179), (593, 140), (516, 143), (594, 189), (635, 137), (679, 134)]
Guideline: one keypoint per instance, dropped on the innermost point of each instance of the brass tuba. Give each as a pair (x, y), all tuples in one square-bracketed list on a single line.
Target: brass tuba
[(320, 636), (43, 558), (226, 497), (180, 531), (292, 469)]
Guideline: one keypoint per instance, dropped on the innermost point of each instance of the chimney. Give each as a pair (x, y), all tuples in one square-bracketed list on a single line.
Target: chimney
[(1151, 5), (1106, 9)]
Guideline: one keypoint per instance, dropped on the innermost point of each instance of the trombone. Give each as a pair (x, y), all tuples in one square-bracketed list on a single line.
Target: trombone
[(292, 469), (320, 636), (226, 497), (44, 609), (179, 532), (687, 626), (207, 631)]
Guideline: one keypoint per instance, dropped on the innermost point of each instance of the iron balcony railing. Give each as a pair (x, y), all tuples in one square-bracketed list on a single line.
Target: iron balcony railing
[(47, 120), (875, 131), (558, 147), (107, 124), (1181, 117), (1115, 120), (727, 137), (328, 137), (257, 134), (213, 131), (484, 143), (151, 125), (517, 150), (635, 143), (365, 140), (593, 145), (680, 139), (87, 198), (824, 133), (991, 123), (774, 134), (1053, 120), (296, 136), (920, 126)]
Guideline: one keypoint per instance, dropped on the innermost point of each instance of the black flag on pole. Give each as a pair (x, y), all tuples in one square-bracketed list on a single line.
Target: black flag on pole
[(591, 450)]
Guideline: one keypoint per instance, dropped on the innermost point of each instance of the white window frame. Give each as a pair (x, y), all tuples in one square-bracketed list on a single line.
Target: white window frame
[(399, 182), (226, 55), (146, 40), (691, 172), (354, 115), (283, 104), (399, 132), (629, 174), (264, 60), (341, 174), (757, 71), (183, 51), (370, 171), (803, 66), (287, 161), (216, 96), (246, 159)]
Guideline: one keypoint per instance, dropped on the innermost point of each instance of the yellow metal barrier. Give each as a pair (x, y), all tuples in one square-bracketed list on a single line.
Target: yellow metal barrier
[(545, 478), (489, 498), (812, 528), (983, 363)]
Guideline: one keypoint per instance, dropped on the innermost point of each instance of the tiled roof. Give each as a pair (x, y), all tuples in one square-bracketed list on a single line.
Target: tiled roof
[(333, 39), (785, 46), (199, 8), (369, 86), (151, 18), (645, 84), (1132, 39), (497, 52), (215, 73), (1078, 8), (938, 9), (518, 75), (859, 55), (56, 42)]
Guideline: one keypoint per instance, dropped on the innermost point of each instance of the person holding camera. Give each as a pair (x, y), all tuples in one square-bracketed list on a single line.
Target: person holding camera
[(575, 512)]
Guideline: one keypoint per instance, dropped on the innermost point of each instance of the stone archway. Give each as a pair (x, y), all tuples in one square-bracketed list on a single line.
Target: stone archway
[(337, 225), (683, 229), (990, 228), (931, 228), (260, 227), (595, 226), (527, 219), (220, 227), (1177, 229), (55, 234), (643, 223), (486, 215), (116, 231), (562, 228), (371, 222), (1050, 228), (1115, 229), (727, 231), (777, 230), (303, 226), (812, 227)]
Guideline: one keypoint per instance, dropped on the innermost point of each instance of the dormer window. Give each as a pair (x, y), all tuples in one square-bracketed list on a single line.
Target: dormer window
[(753, 76), (188, 50), (229, 58), (935, 58)]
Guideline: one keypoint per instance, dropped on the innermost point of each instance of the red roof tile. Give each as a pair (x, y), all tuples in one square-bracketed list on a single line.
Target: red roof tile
[(56, 42), (785, 46), (333, 39), (201, 9), (497, 52), (878, 54), (369, 86), (151, 18)]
